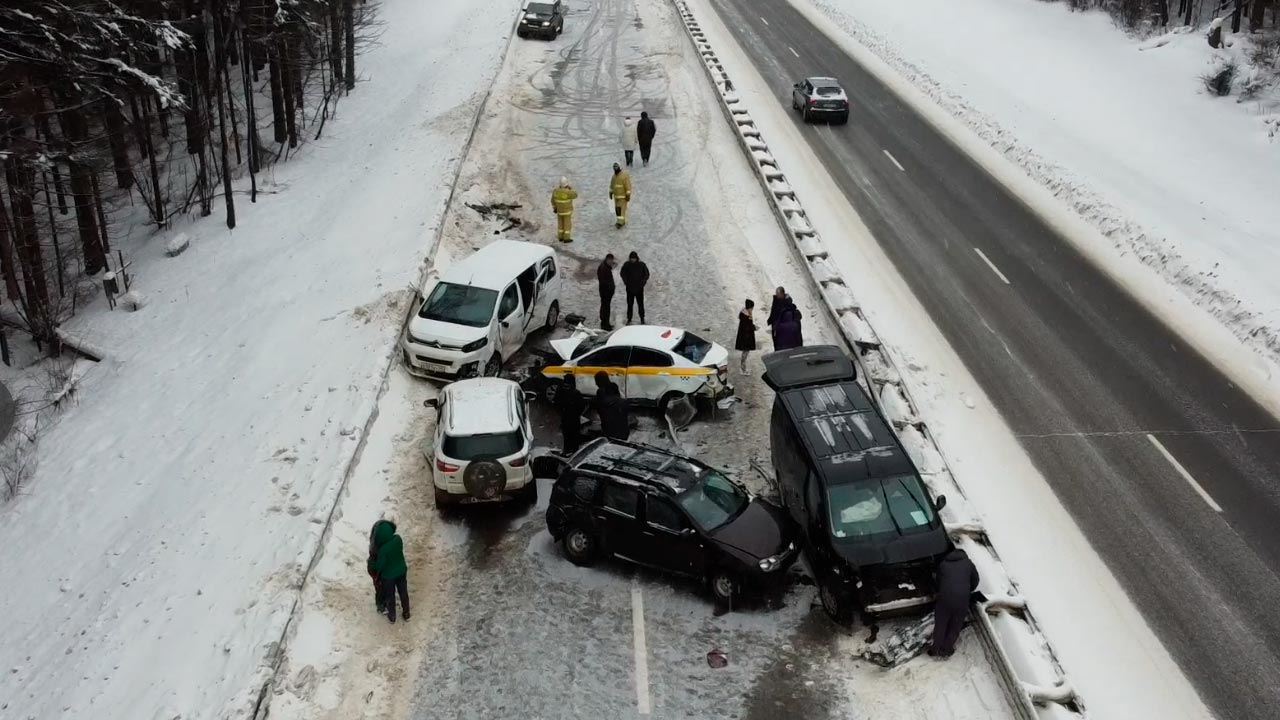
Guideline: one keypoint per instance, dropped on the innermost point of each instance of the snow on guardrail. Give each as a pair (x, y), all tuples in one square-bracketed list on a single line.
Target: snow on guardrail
[(1021, 653)]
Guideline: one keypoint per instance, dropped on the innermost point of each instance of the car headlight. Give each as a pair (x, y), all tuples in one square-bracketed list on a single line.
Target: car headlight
[(473, 346), (546, 24), (770, 564)]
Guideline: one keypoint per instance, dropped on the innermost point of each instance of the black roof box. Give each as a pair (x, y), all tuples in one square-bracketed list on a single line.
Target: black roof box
[(805, 366)]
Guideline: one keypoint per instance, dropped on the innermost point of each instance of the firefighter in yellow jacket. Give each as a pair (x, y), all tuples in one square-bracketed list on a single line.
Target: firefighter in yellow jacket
[(562, 198), (620, 191)]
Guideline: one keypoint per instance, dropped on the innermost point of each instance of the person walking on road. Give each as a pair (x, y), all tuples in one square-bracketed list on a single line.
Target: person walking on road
[(957, 581), (620, 191), (645, 130), (372, 563), (746, 340), (612, 409), (604, 275), (562, 198), (390, 566), (634, 274), (629, 139), (784, 321), (570, 403)]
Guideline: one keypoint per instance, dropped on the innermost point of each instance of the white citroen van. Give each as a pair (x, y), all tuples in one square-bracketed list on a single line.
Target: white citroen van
[(479, 312)]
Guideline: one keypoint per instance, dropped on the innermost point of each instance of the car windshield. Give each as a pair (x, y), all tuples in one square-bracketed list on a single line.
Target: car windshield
[(460, 305), (828, 91), (692, 347), (714, 501), (538, 9), (590, 343), (476, 447), (896, 506)]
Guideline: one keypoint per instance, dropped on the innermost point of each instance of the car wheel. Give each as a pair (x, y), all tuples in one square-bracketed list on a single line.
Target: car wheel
[(724, 587), (844, 119), (494, 366), (804, 114), (580, 546), (553, 316), (665, 401), (834, 602)]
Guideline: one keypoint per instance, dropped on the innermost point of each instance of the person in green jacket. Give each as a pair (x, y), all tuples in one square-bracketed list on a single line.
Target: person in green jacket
[(370, 563), (391, 570)]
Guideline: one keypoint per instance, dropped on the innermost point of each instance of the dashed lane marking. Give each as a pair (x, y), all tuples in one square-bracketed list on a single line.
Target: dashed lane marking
[(894, 160), (991, 265), (793, 51), (641, 652), (1183, 472), (766, 22)]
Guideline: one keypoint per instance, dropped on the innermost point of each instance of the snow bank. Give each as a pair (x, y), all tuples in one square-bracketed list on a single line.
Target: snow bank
[(177, 244)]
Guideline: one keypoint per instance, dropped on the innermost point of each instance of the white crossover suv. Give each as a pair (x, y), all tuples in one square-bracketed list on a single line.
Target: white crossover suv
[(480, 449)]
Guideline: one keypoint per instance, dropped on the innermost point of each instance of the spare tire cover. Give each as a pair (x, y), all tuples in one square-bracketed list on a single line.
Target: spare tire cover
[(485, 479)]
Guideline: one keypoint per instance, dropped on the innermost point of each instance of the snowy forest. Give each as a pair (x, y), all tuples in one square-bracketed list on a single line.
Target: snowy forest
[(1157, 14), (132, 113)]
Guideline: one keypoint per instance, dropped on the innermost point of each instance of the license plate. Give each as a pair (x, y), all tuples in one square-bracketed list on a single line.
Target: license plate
[(433, 365)]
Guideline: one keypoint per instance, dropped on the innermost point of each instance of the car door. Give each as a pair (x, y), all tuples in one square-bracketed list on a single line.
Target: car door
[(669, 540), (618, 517), (510, 322), (611, 359), (649, 374), (547, 290)]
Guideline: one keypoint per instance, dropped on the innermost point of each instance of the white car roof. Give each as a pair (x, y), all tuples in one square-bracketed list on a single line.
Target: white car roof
[(658, 337), (479, 406), (495, 265)]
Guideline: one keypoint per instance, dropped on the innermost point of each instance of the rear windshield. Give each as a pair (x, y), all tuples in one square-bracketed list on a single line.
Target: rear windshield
[(479, 447), (692, 347), (539, 9), (460, 305), (893, 506), (828, 91)]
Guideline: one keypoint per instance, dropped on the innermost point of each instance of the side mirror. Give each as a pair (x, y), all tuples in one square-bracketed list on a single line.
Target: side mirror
[(431, 403), (796, 86), (939, 503), (687, 532)]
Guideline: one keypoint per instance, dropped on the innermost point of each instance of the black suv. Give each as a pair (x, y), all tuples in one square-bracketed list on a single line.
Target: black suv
[(541, 19), (818, 97), (671, 512), (870, 528)]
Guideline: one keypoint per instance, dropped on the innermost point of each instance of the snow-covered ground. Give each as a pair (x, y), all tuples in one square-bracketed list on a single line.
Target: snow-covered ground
[(1119, 129), (503, 625), (155, 557), (1110, 655)]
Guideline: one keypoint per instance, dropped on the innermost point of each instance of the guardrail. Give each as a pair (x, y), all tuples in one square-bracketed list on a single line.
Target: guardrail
[(1028, 668)]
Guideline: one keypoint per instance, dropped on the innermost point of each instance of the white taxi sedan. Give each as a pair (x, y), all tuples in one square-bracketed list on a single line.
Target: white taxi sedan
[(651, 364)]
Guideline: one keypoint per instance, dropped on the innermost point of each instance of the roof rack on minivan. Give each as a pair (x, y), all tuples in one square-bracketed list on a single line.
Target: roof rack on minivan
[(804, 366)]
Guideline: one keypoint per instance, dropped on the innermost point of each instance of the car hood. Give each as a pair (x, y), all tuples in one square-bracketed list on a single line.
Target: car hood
[(761, 530), (446, 333), (564, 347), (900, 549)]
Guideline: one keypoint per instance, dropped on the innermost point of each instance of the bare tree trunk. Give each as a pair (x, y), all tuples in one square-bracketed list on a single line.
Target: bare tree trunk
[(142, 127), (1235, 16), (42, 128), (349, 25), (277, 92), (75, 131), (19, 177), (252, 142), (53, 234), (6, 256), (335, 40), (102, 215), (220, 61), (287, 71), (1257, 13), (119, 146), (1162, 12)]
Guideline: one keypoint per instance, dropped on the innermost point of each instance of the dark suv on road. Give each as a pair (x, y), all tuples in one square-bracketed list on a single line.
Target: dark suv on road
[(820, 97), (541, 19), (870, 528), (670, 512)]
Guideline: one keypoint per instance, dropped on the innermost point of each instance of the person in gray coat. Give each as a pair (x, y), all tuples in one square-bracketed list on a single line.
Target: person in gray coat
[(957, 581)]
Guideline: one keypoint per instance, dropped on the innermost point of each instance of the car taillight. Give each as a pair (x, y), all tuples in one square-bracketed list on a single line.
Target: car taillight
[(445, 467), (520, 461), (813, 101)]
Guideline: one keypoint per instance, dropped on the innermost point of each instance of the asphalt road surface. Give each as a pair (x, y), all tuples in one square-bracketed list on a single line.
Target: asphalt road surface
[(1115, 410), (524, 633)]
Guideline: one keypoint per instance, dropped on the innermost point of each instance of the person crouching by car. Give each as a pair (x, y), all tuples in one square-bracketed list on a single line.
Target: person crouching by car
[(612, 408), (957, 581)]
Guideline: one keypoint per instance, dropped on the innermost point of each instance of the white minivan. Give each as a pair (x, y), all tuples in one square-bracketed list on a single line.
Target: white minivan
[(481, 310)]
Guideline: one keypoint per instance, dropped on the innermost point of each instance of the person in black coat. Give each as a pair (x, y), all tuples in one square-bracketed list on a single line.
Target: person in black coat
[(645, 130), (604, 274), (634, 274), (787, 332), (957, 581), (612, 408), (746, 340), (570, 404)]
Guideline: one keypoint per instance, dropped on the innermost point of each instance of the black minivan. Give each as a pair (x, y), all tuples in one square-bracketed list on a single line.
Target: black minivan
[(667, 511), (869, 526)]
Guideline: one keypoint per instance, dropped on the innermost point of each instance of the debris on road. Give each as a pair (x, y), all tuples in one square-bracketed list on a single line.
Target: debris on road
[(717, 658)]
